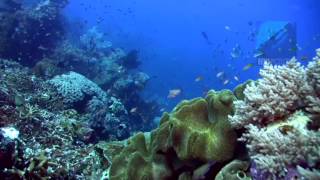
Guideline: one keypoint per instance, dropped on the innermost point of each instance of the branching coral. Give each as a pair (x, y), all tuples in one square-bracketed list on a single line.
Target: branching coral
[(278, 112), (313, 87), (279, 146), (272, 97)]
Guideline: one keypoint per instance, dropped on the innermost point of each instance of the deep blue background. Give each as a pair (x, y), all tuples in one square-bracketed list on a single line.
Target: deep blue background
[(172, 48)]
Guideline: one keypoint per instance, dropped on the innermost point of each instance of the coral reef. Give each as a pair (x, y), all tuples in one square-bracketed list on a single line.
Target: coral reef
[(130, 61), (276, 118), (67, 107), (64, 96), (280, 118), (195, 133), (29, 34), (94, 43), (110, 68), (54, 142)]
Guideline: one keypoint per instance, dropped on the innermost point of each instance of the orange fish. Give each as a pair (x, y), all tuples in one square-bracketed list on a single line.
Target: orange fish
[(174, 93)]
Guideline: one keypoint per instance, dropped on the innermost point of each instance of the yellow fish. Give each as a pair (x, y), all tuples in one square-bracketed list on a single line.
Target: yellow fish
[(248, 66)]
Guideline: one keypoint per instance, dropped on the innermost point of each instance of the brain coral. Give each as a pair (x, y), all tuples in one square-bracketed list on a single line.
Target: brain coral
[(74, 87)]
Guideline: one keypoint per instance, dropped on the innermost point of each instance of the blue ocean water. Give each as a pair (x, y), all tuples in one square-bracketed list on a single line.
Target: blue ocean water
[(173, 51)]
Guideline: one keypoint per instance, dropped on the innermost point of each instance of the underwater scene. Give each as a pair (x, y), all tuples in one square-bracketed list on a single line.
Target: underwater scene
[(159, 90)]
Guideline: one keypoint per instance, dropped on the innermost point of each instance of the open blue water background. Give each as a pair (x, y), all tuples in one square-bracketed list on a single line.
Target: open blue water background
[(173, 51)]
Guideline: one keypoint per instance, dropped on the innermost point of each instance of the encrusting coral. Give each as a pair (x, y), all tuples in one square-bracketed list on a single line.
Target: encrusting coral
[(193, 134), (280, 114)]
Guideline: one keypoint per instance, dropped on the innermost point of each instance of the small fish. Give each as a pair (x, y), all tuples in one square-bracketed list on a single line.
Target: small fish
[(134, 110), (205, 36), (220, 74), (246, 67), (173, 93), (198, 79), (227, 28), (285, 129), (236, 78), (293, 49), (258, 54), (42, 48), (290, 40), (225, 82), (304, 58), (236, 51)]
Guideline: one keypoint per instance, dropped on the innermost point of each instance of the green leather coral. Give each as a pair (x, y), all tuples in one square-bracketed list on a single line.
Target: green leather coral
[(198, 129), (137, 162), (134, 155)]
